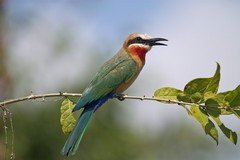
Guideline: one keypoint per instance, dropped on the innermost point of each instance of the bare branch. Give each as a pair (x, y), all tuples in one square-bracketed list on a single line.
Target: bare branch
[(122, 97), (39, 96)]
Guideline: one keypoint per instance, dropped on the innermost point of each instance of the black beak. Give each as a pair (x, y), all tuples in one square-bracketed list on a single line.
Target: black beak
[(155, 41)]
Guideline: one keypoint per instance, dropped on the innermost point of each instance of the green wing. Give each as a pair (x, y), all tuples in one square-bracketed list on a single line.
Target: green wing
[(114, 72)]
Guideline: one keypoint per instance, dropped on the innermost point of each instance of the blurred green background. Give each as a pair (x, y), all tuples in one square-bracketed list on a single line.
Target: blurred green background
[(50, 46)]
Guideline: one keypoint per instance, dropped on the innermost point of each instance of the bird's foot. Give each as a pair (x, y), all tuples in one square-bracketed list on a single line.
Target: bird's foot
[(120, 97)]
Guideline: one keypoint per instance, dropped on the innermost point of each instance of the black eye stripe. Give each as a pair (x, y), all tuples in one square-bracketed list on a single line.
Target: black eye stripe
[(135, 40)]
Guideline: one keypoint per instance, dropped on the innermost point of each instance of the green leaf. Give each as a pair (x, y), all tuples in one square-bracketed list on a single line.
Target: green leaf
[(67, 120), (197, 90), (191, 98), (217, 100), (214, 101), (203, 85), (202, 117), (231, 135), (167, 93), (233, 97), (213, 110), (208, 95)]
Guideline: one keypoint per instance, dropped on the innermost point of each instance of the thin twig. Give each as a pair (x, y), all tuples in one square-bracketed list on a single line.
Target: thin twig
[(155, 99), (5, 129), (39, 96), (6, 112), (12, 155)]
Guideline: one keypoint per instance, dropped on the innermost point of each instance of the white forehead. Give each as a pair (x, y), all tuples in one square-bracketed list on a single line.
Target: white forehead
[(145, 36)]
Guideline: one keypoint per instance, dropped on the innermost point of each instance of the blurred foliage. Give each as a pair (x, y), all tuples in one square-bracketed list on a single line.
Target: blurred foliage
[(5, 79)]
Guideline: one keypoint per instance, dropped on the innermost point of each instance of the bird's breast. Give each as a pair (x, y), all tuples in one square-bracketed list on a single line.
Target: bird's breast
[(122, 87), (139, 65)]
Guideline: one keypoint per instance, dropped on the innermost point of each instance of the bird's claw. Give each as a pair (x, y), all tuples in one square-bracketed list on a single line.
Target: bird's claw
[(120, 97)]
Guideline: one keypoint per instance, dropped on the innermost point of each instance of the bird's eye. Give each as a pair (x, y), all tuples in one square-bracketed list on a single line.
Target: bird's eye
[(138, 38)]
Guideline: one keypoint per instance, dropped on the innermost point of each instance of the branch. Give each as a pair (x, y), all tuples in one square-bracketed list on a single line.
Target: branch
[(120, 97), (65, 94), (39, 96), (197, 110)]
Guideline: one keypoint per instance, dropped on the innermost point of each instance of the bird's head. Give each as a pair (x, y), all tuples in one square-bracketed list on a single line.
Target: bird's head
[(139, 44)]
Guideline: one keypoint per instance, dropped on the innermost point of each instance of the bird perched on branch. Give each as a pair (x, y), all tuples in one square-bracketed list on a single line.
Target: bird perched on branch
[(114, 77)]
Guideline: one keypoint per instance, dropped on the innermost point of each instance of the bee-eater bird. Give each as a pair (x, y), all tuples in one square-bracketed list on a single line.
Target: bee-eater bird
[(114, 77)]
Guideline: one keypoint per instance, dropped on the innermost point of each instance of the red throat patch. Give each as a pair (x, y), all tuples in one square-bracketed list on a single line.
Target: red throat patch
[(139, 51)]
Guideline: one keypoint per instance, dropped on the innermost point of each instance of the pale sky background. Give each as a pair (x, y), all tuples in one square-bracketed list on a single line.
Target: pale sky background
[(200, 33)]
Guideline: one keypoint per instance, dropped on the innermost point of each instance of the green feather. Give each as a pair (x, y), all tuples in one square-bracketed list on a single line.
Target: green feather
[(113, 73)]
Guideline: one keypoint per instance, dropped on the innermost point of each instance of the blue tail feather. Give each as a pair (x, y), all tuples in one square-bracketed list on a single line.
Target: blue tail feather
[(103, 100), (75, 137)]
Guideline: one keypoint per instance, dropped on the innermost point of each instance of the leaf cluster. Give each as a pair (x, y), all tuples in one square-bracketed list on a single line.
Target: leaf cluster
[(201, 100)]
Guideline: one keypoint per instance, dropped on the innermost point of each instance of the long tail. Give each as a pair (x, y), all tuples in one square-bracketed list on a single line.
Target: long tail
[(74, 139)]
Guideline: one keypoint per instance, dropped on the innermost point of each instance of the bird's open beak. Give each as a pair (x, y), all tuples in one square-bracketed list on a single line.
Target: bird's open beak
[(155, 41)]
